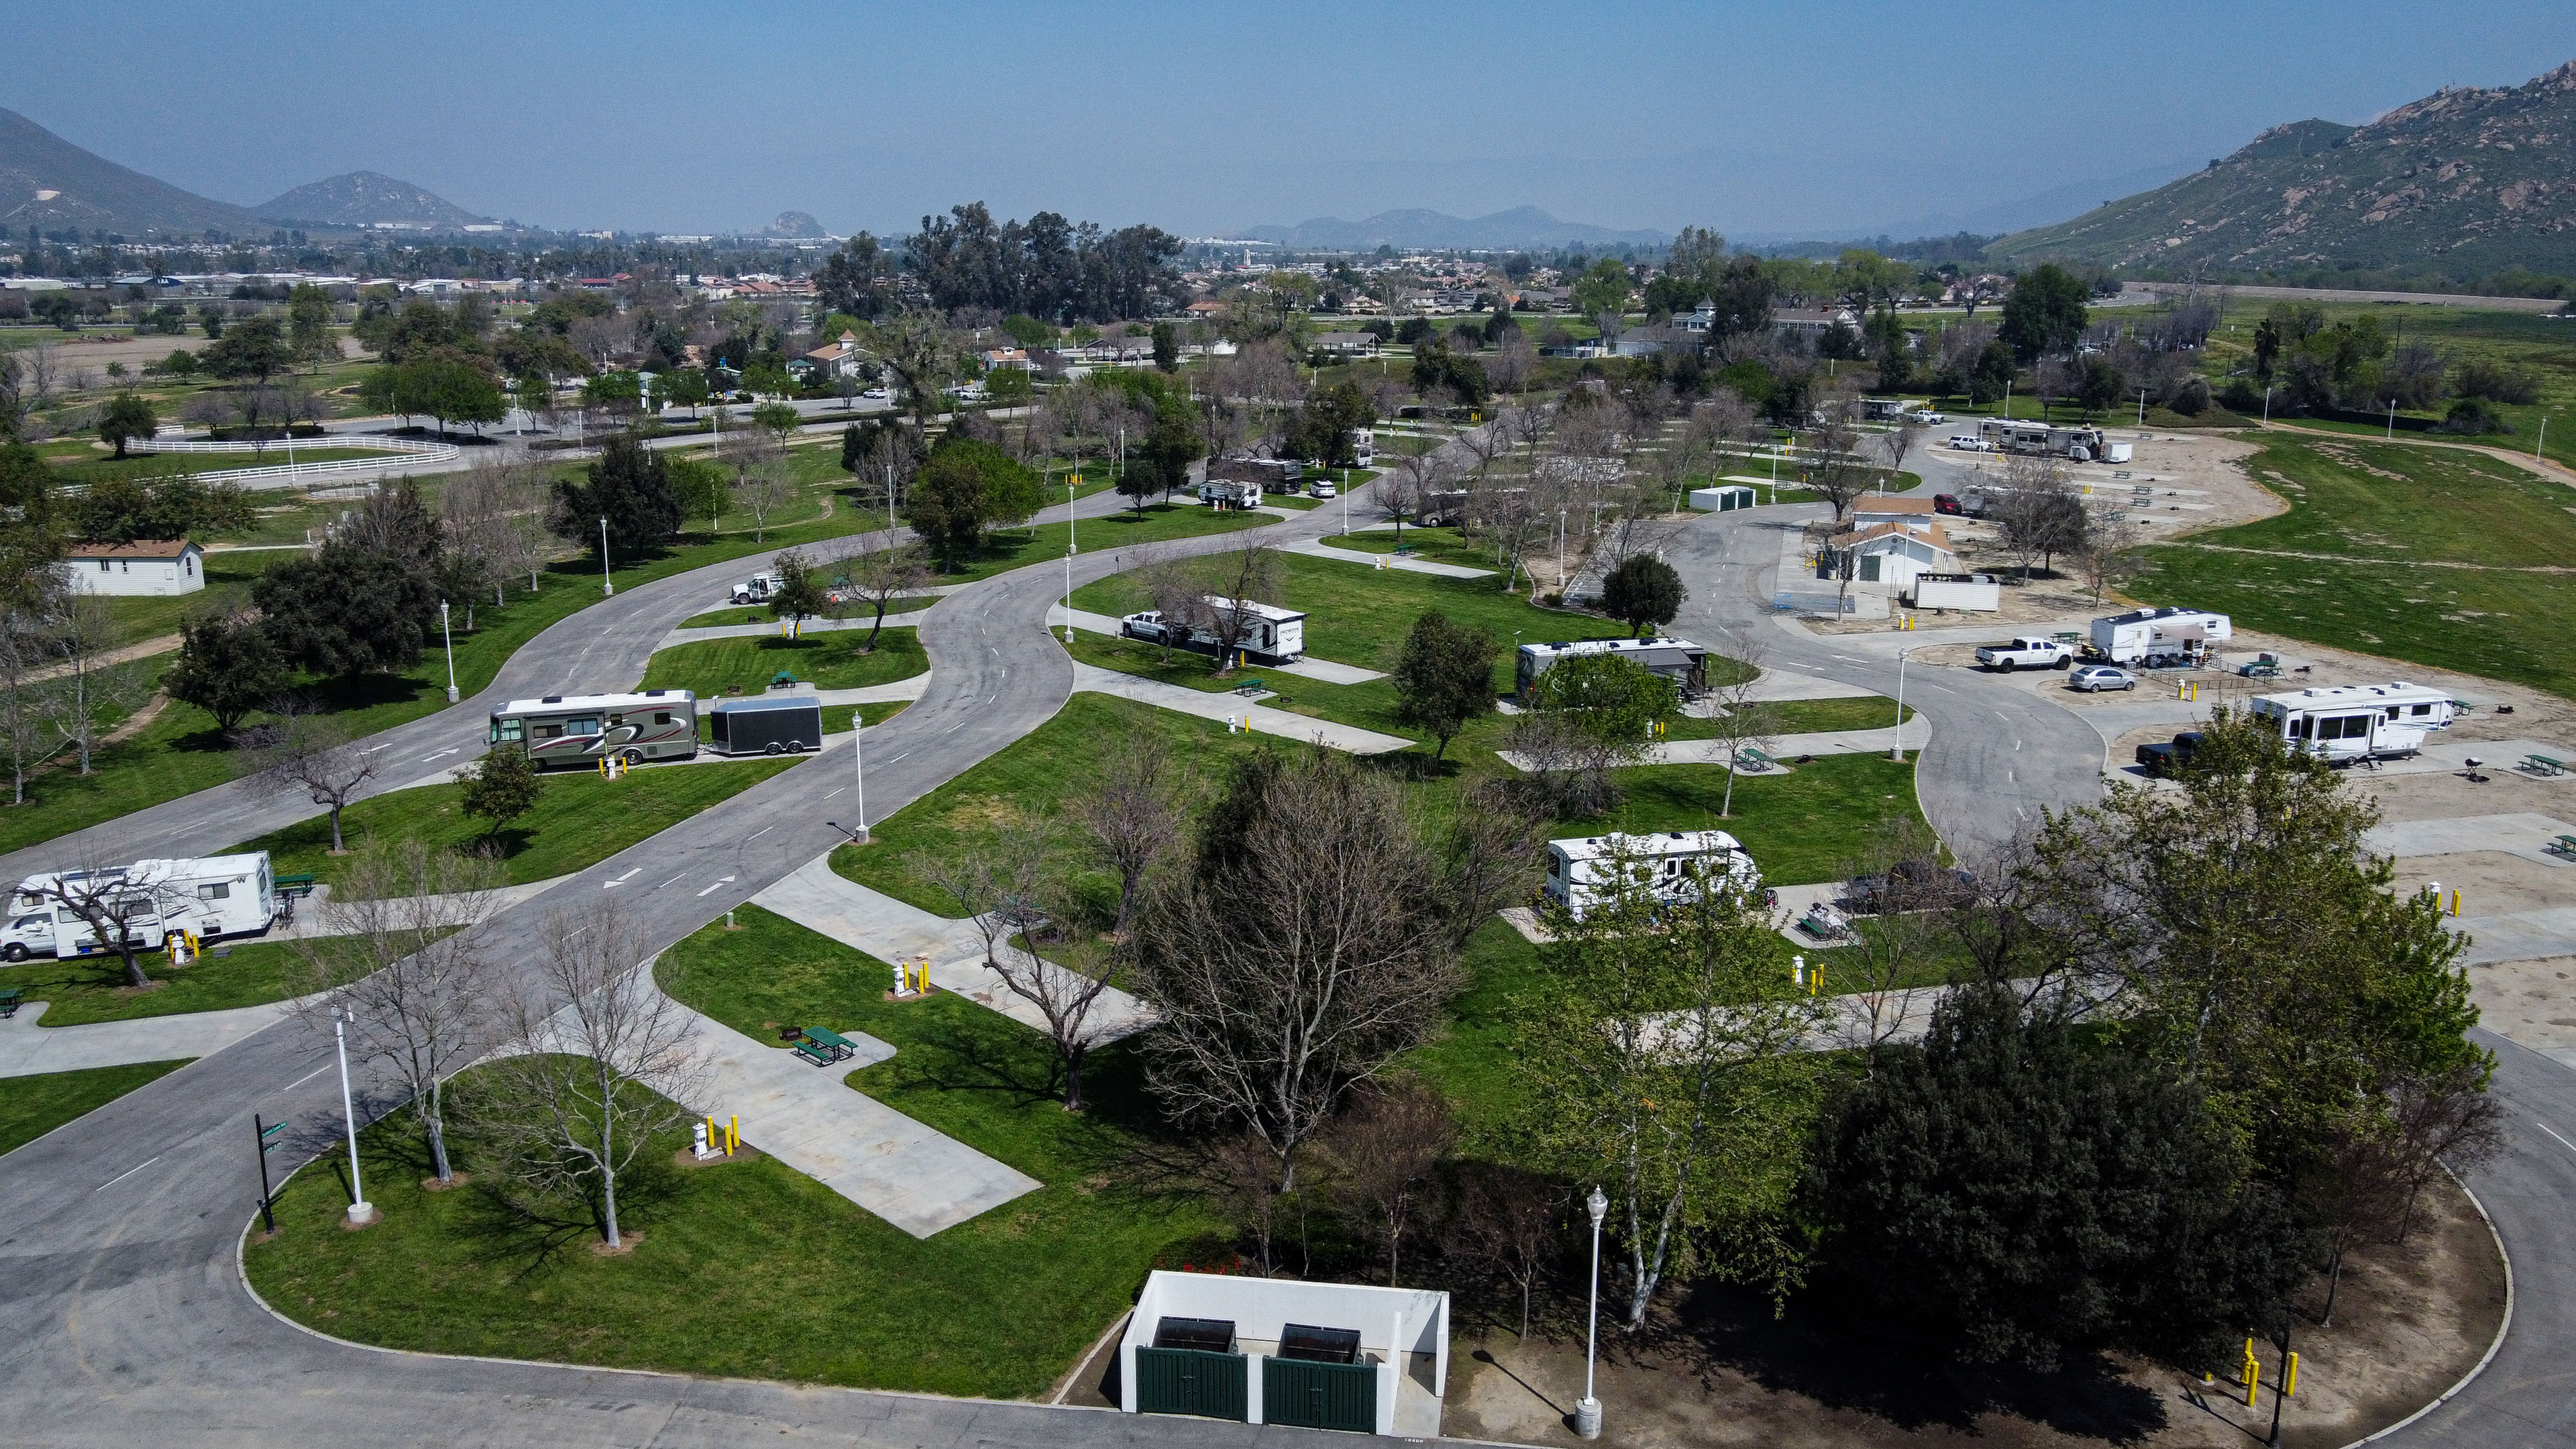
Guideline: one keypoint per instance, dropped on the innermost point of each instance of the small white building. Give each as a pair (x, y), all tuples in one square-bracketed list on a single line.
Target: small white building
[(147, 567), (1723, 498), (1896, 554), (1272, 1351), (1583, 871)]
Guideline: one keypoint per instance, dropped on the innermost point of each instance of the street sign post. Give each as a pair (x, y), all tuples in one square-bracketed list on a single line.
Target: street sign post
[(267, 1132)]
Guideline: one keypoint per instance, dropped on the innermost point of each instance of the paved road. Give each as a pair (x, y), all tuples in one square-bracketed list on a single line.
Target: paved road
[(119, 1301), (120, 1307)]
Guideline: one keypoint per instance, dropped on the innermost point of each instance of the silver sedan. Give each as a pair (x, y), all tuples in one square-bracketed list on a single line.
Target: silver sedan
[(2094, 678)]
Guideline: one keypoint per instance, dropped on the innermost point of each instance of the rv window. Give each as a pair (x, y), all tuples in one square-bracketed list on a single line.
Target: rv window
[(509, 732), (546, 729), (219, 891), (2300, 727), (581, 726), (661, 716), (2423, 709), (29, 923)]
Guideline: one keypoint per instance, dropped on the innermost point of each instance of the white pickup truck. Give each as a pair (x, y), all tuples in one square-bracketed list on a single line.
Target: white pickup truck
[(2026, 653)]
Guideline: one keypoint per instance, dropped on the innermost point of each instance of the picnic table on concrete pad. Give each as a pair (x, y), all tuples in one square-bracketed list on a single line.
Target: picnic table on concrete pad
[(823, 1046)]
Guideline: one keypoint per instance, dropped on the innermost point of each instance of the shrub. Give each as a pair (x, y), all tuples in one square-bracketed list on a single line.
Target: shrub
[(2469, 415), (2495, 382)]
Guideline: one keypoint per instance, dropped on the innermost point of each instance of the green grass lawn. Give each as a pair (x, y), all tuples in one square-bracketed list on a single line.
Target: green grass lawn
[(1810, 716), (759, 613), (85, 989), (1432, 545), (182, 752), (581, 820), (751, 1269), (1010, 548), (2428, 552), (30, 1107), (1038, 774), (87, 467), (829, 660)]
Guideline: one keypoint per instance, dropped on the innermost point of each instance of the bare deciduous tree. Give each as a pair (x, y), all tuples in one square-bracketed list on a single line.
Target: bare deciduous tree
[(1910, 896), (1133, 816), (1302, 954), (28, 681), (1385, 1153), (1240, 581), (1512, 1221), (1745, 721), (599, 1063), (401, 955), (878, 576), (115, 904), (87, 678), (305, 751)]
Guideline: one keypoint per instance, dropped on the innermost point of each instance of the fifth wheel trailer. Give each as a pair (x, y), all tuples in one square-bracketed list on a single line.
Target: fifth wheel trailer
[(2354, 722), (2157, 637)]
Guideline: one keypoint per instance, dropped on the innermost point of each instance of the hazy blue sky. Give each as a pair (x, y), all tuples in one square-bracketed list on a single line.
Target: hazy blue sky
[(1206, 118)]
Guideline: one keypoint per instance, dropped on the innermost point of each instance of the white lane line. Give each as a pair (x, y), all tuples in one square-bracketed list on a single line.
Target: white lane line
[(755, 835), (129, 1172), (308, 1076), (192, 829), (2563, 1142), (426, 759), (721, 883), (371, 749), (899, 759), (667, 882), (836, 792)]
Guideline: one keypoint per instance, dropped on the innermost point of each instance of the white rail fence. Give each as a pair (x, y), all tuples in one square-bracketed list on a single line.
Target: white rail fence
[(406, 449)]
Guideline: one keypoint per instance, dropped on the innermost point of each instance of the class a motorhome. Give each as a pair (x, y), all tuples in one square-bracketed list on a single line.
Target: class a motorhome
[(582, 729), (2353, 722), (2081, 445), (1679, 660), (1582, 872), (210, 896)]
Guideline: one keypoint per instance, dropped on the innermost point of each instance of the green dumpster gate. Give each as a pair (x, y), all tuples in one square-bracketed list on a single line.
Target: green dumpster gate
[(1319, 1395), (1191, 1381)]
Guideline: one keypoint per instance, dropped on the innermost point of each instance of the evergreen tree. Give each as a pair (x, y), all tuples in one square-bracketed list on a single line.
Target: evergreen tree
[(226, 667), (504, 787), (1445, 677), (630, 486), (1642, 592)]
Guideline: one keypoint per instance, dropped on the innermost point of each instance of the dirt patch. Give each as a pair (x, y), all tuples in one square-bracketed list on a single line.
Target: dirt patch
[(626, 1243), (2408, 1323), (742, 1152), (2530, 1002)]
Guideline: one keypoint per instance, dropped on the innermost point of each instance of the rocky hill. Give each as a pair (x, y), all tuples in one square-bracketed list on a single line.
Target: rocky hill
[(2467, 180), (367, 199), (47, 182)]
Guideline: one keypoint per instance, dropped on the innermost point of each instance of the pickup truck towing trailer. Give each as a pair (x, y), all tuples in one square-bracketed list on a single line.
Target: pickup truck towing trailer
[(2354, 722), (2027, 652), (2158, 638)]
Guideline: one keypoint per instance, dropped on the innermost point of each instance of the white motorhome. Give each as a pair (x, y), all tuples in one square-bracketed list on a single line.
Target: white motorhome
[(582, 729), (211, 896), (2158, 638), (1679, 660), (2347, 723), (2082, 445), (1582, 872)]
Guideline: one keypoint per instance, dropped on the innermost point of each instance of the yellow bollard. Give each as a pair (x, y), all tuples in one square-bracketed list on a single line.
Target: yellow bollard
[(733, 1134), (2455, 900), (2290, 1377)]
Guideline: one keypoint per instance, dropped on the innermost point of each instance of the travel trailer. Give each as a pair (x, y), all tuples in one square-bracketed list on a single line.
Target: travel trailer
[(1582, 872), (2349, 723)]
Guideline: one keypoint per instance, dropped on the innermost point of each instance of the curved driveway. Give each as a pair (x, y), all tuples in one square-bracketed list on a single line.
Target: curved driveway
[(121, 1313)]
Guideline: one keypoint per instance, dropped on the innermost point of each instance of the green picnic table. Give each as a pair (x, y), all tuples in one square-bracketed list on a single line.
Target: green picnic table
[(823, 1046), (9, 1000), (2544, 765)]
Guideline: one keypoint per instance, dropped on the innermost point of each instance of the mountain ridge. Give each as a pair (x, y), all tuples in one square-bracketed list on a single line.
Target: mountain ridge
[(1520, 227), (366, 199), (2470, 179), (50, 183)]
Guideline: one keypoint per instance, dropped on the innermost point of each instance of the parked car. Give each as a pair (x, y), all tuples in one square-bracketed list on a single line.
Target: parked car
[(1323, 488), (1946, 503), (2094, 678), (1970, 443), (1931, 418), (2161, 759), (1911, 885)]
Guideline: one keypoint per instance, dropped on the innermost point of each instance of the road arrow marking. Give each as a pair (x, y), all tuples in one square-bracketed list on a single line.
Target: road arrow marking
[(721, 882), (621, 880)]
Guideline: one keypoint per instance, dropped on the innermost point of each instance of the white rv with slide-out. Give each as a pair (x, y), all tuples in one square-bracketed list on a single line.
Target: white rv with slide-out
[(2355, 722), (2158, 638), (207, 897), (583, 729), (1586, 871)]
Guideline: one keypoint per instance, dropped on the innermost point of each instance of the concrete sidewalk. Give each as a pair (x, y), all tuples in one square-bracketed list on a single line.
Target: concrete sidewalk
[(811, 1119), (1231, 708), (2525, 835), (27, 1048), (822, 901), (1374, 560), (1915, 733)]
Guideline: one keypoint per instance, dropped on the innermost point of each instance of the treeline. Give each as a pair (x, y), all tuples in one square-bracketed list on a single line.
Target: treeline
[(1047, 267)]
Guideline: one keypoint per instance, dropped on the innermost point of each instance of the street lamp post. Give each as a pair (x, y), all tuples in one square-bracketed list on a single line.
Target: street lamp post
[(1071, 481), (2267, 407), (1587, 1412), (361, 1211), (2543, 440), (606, 585), (859, 764), (450, 636), (1898, 754)]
